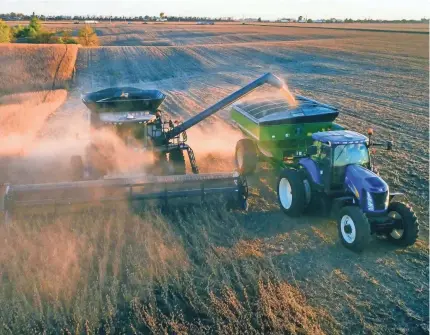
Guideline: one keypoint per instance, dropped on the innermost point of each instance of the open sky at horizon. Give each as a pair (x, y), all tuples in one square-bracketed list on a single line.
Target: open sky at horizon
[(268, 9)]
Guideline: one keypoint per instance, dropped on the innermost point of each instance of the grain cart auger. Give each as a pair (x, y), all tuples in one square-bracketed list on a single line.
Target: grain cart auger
[(133, 114), (322, 166)]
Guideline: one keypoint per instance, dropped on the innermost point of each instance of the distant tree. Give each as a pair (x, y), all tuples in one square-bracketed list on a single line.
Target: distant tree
[(5, 33), (161, 15), (310, 21), (300, 18), (67, 38), (259, 19), (88, 37), (34, 28), (35, 24), (44, 37)]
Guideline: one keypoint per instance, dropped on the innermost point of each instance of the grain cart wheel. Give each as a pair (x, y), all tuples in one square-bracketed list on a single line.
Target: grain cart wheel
[(407, 227), (77, 166), (291, 192), (353, 228), (177, 161), (246, 157)]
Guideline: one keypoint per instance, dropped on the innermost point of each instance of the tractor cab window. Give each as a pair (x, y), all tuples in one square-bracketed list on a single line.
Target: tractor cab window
[(346, 154), (323, 151)]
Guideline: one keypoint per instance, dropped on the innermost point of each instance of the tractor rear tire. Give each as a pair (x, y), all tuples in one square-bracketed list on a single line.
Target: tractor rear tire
[(408, 233), (177, 161), (246, 156), (353, 228), (291, 192), (77, 166)]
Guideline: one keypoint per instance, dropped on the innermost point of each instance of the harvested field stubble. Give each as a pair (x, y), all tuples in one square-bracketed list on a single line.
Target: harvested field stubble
[(127, 274), (33, 67), (202, 269)]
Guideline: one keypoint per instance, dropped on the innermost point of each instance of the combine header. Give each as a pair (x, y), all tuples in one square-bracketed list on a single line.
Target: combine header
[(134, 116)]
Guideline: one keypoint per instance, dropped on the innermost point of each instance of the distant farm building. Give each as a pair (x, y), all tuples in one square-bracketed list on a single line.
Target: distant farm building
[(287, 20), (91, 21)]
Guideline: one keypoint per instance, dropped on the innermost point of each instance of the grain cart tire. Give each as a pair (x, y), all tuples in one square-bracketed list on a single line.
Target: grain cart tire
[(77, 167), (353, 228), (291, 192), (407, 232), (246, 157)]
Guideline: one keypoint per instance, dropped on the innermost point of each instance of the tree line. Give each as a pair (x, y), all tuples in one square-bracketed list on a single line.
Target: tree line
[(35, 33), (19, 16)]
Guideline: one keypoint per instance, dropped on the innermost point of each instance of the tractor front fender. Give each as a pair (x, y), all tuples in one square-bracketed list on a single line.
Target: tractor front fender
[(339, 203), (311, 169)]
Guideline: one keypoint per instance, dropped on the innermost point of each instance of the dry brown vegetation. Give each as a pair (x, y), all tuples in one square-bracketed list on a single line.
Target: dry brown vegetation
[(205, 270), (29, 67)]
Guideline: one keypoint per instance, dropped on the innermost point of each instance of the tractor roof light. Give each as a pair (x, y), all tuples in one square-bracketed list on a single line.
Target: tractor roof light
[(370, 131)]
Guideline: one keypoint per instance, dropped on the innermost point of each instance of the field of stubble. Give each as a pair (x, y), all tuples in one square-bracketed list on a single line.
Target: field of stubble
[(207, 270)]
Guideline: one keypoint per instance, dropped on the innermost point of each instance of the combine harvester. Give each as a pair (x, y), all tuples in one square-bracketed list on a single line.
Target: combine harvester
[(134, 116), (319, 162)]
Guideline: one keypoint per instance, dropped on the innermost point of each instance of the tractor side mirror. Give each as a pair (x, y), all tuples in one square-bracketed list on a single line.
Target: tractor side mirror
[(312, 150), (389, 145)]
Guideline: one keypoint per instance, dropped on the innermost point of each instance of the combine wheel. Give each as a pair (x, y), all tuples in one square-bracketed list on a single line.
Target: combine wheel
[(291, 192), (161, 165), (354, 228), (77, 167), (407, 227), (240, 200), (99, 161), (246, 157), (177, 161)]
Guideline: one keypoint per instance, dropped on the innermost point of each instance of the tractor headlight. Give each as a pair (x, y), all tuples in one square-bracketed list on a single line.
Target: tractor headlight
[(370, 204)]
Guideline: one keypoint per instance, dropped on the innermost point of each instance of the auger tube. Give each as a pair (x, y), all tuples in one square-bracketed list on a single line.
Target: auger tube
[(268, 78)]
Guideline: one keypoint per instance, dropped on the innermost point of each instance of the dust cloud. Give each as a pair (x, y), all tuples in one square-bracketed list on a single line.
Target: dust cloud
[(39, 134), (268, 92), (22, 116), (214, 145)]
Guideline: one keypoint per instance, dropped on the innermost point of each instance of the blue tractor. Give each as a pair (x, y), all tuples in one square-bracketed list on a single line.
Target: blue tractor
[(338, 169)]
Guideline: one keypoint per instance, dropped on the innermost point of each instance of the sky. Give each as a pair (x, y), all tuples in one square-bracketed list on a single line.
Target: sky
[(266, 9)]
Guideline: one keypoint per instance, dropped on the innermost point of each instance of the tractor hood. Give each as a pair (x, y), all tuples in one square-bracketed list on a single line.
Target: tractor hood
[(362, 179), (370, 190)]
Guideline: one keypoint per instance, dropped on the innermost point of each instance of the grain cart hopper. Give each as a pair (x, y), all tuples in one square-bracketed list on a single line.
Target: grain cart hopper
[(135, 116), (321, 162)]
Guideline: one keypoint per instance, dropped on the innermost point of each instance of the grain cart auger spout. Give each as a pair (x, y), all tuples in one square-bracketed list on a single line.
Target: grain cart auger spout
[(134, 115)]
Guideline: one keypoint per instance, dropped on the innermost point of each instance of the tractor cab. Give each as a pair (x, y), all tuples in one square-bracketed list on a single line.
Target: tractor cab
[(333, 151)]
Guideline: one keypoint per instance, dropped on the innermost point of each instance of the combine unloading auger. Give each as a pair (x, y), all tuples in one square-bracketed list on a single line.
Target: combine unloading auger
[(137, 110)]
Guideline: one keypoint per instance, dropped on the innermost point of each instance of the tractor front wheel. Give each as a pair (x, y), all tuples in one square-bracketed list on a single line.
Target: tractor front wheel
[(246, 157), (354, 228), (291, 192), (406, 223)]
